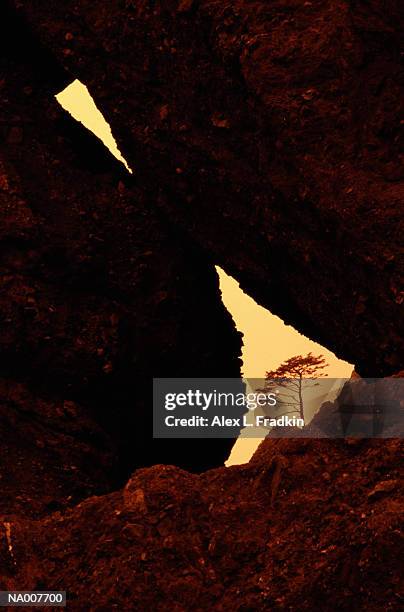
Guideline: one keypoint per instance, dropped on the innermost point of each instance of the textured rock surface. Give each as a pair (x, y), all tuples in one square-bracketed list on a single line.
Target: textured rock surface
[(310, 535), (264, 137), (97, 293), (273, 129), (53, 453)]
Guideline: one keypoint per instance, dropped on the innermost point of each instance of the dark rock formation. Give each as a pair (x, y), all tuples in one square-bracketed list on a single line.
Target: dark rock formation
[(53, 453), (264, 138), (99, 292), (306, 525), (272, 129)]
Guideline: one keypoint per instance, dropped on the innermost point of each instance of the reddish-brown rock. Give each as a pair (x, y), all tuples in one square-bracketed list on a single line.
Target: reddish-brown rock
[(223, 541), (99, 292), (53, 453), (264, 138), (272, 130)]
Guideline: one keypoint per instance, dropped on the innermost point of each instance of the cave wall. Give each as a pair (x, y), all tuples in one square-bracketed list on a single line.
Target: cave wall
[(272, 130), (263, 138), (99, 291)]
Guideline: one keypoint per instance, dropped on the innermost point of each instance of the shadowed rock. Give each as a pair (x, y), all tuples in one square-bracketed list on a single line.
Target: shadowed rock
[(272, 129), (264, 138), (99, 291), (219, 541)]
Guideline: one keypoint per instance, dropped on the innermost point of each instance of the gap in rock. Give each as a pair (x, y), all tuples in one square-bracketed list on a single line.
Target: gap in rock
[(267, 341), (77, 101)]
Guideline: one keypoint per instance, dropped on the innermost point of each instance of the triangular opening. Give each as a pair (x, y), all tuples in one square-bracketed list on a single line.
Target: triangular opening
[(267, 341)]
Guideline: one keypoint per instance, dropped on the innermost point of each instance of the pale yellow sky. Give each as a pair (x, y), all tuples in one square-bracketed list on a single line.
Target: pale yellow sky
[(77, 101), (267, 340)]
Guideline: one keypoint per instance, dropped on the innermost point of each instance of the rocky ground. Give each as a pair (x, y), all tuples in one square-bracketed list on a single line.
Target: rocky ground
[(307, 524)]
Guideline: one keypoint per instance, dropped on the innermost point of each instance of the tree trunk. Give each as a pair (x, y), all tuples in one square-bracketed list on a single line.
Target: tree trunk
[(301, 406)]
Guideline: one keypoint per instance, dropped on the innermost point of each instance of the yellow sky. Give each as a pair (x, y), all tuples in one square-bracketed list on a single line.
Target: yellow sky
[(267, 340), (77, 101)]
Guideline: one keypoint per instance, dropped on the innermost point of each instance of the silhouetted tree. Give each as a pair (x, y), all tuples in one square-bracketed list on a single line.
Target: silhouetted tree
[(292, 376)]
